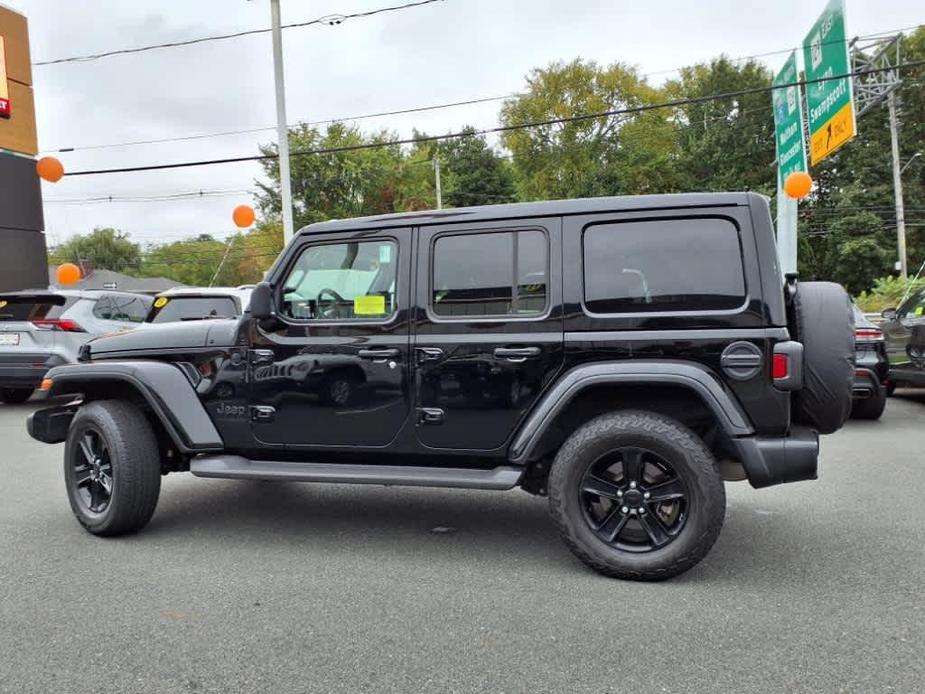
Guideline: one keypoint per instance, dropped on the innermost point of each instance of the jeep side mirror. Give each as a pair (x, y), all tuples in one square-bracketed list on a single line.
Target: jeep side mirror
[(889, 314), (262, 301)]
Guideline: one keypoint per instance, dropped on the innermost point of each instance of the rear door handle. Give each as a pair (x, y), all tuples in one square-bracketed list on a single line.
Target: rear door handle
[(390, 353), (517, 353)]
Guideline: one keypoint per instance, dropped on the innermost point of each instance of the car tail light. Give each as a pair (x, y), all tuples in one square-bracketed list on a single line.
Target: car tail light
[(868, 335), (65, 325), (780, 366)]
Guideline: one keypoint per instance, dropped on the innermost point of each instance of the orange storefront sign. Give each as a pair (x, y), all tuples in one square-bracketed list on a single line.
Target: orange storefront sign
[(4, 86)]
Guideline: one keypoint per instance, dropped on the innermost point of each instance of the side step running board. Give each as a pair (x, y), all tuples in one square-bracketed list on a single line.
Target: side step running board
[(239, 468)]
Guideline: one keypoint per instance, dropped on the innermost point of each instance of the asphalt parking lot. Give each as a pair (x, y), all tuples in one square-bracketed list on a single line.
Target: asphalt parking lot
[(254, 587)]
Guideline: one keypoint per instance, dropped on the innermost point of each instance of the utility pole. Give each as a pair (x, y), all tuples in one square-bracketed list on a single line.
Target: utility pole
[(897, 186), (437, 181), (282, 130)]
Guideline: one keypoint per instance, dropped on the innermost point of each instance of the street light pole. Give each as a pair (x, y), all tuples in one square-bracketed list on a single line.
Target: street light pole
[(897, 186), (282, 129)]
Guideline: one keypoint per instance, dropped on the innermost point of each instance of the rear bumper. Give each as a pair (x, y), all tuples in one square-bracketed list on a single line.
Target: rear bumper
[(775, 460), (866, 385), (27, 370)]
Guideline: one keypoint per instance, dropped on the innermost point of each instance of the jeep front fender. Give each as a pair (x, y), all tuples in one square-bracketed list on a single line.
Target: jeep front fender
[(162, 385)]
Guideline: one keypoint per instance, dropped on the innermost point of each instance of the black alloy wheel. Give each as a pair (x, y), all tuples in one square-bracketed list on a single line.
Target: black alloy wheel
[(93, 475), (634, 500)]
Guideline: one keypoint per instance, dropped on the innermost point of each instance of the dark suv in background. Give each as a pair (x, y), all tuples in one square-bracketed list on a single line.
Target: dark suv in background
[(622, 356), (904, 331), (872, 369)]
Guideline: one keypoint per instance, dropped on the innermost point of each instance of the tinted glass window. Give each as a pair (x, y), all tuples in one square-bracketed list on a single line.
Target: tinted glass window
[(126, 309), (342, 281), (663, 265), (103, 308), (490, 274), (14, 308), (191, 308), (914, 305)]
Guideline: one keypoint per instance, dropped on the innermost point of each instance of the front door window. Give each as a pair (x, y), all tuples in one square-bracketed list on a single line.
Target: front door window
[(342, 282)]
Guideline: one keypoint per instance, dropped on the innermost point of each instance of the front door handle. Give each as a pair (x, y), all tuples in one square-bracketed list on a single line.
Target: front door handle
[(517, 354), (391, 353)]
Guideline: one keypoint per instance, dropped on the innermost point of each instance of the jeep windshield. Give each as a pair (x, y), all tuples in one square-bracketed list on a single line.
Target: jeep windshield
[(185, 308)]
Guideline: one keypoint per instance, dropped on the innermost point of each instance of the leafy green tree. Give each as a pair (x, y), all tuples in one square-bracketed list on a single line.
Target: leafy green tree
[(351, 181), (103, 248), (192, 261), (725, 144), (472, 173), (607, 155)]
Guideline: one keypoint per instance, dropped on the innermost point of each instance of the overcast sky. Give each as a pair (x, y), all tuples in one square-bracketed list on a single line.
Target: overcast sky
[(447, 51)]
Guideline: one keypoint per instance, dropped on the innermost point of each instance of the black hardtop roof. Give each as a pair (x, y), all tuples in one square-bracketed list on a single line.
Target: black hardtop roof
[(525, 210)]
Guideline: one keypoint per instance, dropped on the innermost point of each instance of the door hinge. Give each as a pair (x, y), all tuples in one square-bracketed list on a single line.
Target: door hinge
[(430, 415), (428, 354), (261, 356)]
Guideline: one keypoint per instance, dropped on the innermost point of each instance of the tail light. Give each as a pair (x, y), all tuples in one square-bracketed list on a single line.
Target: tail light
[(780, 366), (65, 325), (868, 335), (787, 365)]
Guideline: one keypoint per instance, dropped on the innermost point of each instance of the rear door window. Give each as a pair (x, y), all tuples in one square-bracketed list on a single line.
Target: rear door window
[(185, 308), (490, 274), (663, 265)]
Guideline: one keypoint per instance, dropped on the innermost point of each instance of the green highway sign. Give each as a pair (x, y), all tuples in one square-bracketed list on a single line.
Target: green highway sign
[(788, 121), (830, 104)]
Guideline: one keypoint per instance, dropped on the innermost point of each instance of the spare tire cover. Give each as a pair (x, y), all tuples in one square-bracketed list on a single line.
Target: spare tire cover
[(824, 322)]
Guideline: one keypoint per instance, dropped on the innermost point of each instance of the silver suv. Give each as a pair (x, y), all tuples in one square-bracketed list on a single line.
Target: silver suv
[(40, 329)]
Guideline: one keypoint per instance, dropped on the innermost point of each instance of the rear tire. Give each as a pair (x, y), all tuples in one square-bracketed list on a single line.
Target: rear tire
[(870, 408), (112, 468), (652, 543), (15, 396)]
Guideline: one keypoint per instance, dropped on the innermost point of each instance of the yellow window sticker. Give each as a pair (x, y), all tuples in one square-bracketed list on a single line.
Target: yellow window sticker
[(370, 305), (2, 304), (160, 302)]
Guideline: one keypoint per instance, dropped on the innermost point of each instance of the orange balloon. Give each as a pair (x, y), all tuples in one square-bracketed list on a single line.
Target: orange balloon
[(798, 185), (49, 169), (67, 273), (243, 215)]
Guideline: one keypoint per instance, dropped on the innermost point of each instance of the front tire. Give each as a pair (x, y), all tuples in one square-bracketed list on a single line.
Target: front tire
[(637, 495), (112, 468)]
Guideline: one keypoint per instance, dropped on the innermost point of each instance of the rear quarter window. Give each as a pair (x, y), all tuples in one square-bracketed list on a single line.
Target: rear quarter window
[(663, 265)]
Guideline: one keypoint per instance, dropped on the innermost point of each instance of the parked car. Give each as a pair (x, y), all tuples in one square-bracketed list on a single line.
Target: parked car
[(647, 339), (871, 371), (904, 332), (45, 328), (197, 303)]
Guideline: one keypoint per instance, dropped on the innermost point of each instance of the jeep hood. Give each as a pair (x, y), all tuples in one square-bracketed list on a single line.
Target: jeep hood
[(153, 337)]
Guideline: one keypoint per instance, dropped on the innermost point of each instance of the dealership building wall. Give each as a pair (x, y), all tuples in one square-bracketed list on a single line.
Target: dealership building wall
[(23, 254)]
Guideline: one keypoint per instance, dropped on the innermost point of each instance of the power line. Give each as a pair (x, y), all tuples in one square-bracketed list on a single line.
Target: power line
[(404, 111), (365, 116), (189, 195), (498, 129), (329, 20)]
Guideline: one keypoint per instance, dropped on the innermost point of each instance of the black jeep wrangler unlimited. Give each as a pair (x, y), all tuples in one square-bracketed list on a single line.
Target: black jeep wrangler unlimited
[(623, 356)]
